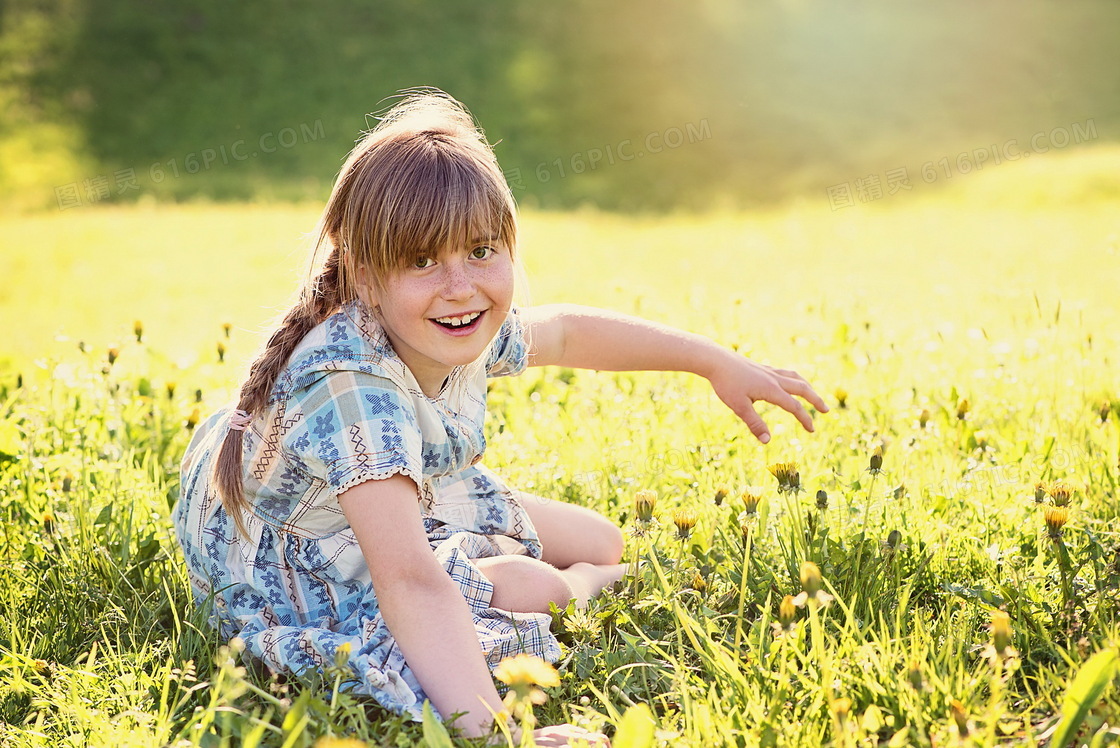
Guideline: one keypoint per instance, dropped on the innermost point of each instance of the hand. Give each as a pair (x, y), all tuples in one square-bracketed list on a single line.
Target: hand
[(739, 382), (557, 736)]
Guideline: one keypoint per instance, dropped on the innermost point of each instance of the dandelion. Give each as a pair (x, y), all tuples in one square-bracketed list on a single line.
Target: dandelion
[(750, 498), (1056, 518), (226, 328), (138, 330), (342, 654), (1039, 492), (892, 544), (192, 419), (1106, 408), (787, 613), (171, 390), (699, 583), (198, 396), (525, 675), (875, 464), (841, 396), (923, 418), (1060, 493), (789, 480), (841, 708), (329, 741), (113, 353), (960, 718), (914, 676), (221, 352), (721, 494), (963, 406), (685, 520), (1001, 633), (981, 440), (811, 592), (822, 499)]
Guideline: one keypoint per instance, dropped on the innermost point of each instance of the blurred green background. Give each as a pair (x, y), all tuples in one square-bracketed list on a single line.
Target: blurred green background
[(624, 105)]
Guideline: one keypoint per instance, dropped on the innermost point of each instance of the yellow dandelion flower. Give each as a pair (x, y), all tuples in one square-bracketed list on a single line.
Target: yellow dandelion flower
[(789, 479), (1001, 632), (685, 520), (1056, 518), (644, 504), (138, 330), (525, 670), (787, 612), (721, 494), (810, 578), (1060, 493)]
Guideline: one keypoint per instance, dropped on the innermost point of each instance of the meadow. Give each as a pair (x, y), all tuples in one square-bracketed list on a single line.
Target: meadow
[(938, 564)]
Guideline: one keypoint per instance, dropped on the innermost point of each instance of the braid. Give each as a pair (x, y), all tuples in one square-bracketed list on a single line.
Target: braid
[(318, 300)]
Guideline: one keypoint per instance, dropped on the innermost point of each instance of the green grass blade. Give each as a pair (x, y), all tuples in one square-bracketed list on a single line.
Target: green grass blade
[(1084, 692)]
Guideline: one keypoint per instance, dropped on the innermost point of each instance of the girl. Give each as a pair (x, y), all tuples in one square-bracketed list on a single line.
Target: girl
[(340, 509)]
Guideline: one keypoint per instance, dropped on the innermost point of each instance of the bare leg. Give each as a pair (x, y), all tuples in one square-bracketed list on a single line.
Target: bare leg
[(526, 585), (571, 534)]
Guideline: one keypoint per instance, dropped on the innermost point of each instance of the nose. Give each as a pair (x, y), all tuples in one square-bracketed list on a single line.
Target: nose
[(458, 283)]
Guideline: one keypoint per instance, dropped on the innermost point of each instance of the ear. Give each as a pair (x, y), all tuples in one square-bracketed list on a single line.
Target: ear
[(365, 288)]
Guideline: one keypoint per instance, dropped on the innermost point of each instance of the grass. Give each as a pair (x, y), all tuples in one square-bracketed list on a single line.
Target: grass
[(1000, 292)]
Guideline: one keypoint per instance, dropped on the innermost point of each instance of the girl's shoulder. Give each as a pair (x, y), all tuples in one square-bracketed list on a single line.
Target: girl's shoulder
[(348, 340)]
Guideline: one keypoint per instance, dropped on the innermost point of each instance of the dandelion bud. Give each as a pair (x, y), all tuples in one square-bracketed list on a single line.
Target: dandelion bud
[(221, 352), (981, 439), (960, 717), (644, 503), (19, 381), (810, 578), (721, 494), (914, 675), (1060, 493), (893, 539), (685, 520), (787, 612), (1039, 492), (841, 396), (923, 418), (198, 396), (226, 328), (875, 464), (114, 352), (750, 502), (699, 583), (822, 499), (192, 419), (1056, 518), (1106, 408), (170, 390), (841, 708), (1001, 631), (138, 330), (963, 407)]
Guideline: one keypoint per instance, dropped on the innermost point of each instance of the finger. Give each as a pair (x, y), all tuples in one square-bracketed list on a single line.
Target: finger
[(789, 403), (754, 421), (797, 385)]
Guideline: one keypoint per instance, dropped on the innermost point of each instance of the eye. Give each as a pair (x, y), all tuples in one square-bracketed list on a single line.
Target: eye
[(482, 252), (423, 262)]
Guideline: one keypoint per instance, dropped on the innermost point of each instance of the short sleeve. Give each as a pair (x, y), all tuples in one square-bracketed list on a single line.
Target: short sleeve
[(351, 427), (509, 353)]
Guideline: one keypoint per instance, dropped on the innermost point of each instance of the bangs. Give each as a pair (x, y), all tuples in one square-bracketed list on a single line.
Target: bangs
[(423, 194)]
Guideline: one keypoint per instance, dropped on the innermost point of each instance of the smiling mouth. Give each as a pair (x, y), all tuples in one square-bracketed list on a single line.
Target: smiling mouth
[(458, 323)]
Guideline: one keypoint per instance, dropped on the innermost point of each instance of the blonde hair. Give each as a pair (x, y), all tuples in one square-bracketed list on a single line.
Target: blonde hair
[(423, 179)]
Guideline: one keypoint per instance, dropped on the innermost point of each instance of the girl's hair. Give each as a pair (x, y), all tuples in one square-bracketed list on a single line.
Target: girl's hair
[(422, 180)]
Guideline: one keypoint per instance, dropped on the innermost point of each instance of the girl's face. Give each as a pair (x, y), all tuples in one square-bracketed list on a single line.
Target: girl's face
[(443, 311)]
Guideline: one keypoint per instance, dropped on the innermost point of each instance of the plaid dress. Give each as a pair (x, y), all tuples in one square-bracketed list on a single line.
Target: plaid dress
[(347, 410)]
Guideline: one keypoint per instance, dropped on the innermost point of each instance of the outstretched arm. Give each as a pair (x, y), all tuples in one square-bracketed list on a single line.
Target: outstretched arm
[(589, 338)]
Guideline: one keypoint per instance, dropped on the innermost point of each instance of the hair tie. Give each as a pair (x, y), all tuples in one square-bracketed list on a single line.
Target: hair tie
[(239, 420)]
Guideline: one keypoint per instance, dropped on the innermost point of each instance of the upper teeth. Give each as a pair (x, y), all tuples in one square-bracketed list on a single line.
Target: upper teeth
[(466, 319)]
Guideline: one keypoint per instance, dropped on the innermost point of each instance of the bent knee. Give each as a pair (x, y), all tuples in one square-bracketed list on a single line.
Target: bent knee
[(608, 544), (526, 585)]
